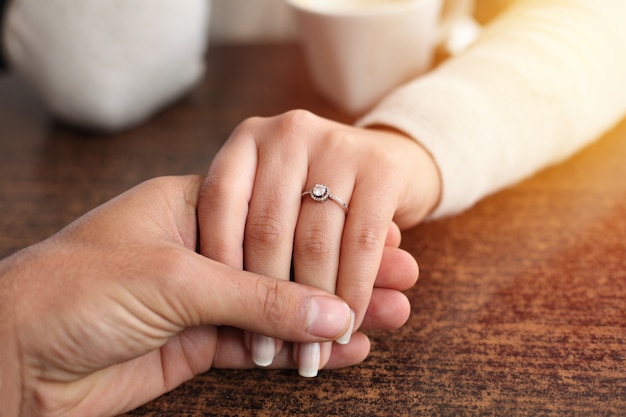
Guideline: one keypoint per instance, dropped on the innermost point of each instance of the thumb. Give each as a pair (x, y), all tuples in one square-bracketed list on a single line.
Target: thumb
[(213, 293)]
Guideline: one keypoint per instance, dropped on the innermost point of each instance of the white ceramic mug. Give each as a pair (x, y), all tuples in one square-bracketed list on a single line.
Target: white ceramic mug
[(359, 50)]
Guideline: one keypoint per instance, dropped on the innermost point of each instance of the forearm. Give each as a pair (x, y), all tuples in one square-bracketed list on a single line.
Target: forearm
[(544, 79), (107, 65)]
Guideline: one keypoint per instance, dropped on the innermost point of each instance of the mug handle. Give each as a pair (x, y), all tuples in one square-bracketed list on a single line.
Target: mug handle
[(458, 28)]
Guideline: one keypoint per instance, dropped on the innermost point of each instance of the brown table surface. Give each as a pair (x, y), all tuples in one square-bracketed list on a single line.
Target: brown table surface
[(520, 307)]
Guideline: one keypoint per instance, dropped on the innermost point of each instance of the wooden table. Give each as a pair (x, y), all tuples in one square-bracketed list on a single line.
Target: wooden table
[(521, 304)]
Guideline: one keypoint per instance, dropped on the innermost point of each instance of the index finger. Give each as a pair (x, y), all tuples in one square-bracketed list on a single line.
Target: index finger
[(224, 197)]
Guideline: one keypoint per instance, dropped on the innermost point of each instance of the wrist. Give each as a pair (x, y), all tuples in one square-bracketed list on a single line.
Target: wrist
[(430, 179), (420, 175)]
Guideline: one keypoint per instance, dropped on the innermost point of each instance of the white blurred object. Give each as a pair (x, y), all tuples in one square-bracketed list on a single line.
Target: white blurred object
[(358, 51), (107, 64), (459, 28)]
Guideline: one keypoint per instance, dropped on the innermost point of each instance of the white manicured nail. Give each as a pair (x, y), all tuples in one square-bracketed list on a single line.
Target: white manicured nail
[(309, 359), (263, 349), (345, 338)]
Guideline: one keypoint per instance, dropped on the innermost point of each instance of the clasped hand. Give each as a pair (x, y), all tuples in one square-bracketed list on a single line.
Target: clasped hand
[(253, 214), (119, 307)]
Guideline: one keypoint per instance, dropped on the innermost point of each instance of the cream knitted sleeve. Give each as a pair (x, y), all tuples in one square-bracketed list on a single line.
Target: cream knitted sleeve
[(543, 80)]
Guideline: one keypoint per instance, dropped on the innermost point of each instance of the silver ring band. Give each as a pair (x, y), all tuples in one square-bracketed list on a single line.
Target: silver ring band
[(320, 192)]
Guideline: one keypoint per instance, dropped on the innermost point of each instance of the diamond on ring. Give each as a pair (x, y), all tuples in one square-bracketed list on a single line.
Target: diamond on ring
[(320, 192)]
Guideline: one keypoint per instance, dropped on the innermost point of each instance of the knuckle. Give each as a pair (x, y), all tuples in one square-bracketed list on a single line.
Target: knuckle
[(291, 124), (313, 243), (265, 229), (366, 239), (215, 189), (344, 146), (338, 139), (248, 124), (298, 118), (274, 308)]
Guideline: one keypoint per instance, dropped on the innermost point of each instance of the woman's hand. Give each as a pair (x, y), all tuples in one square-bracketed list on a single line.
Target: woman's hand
[(253, 213), (118, 308)]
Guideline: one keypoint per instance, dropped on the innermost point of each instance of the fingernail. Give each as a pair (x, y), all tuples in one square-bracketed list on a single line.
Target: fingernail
[(327, 316), (263, 349), (345, 338), (309, 359)]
